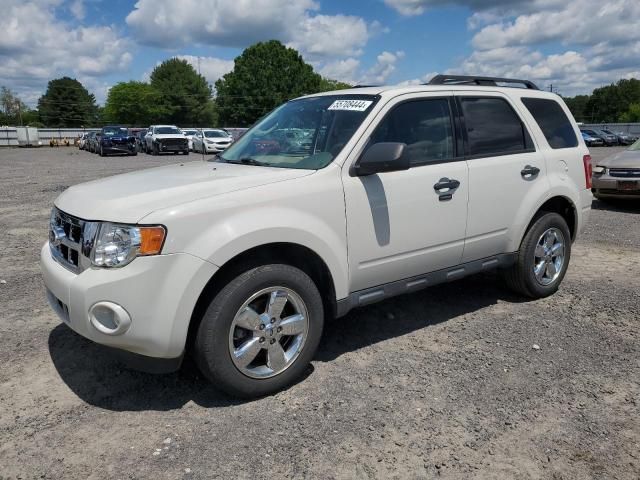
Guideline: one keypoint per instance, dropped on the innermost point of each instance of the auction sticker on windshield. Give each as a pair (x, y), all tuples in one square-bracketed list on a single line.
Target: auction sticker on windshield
[(351, 105)]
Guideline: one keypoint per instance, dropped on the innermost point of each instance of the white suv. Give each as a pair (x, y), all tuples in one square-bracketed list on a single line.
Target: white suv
[(330, 202), (166, 139)]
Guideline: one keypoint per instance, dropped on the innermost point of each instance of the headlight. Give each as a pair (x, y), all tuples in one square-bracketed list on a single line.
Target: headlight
[(117, 245), (209, 141), (599, 170)]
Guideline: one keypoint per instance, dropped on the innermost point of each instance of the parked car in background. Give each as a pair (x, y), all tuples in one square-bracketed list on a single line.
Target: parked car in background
[(592, 141), (116, 140), (623, 138), (91, 142), (211, 140), (240, 259), (190, 133), (608, 139), (82, 141), (140, 142), (166, 139), (618, 176)]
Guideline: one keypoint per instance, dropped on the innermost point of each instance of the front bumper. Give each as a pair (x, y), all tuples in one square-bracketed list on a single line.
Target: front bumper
[(607, 186), (159, 293), (213, 148), (117, 148)]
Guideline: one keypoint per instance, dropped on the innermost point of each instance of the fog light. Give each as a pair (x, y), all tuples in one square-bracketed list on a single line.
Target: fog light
[(109, 318)]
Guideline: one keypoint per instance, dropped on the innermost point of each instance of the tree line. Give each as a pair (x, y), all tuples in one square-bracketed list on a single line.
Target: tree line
[(264, 76), (615, 103)]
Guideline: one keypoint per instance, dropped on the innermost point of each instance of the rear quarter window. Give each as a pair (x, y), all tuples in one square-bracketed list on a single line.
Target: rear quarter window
[(553, 122)]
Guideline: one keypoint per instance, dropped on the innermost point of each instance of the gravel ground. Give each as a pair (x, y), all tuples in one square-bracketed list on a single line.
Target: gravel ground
[(444, 382)]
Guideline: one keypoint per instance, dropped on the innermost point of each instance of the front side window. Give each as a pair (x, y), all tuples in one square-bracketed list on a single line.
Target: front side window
[(493, 127), (424, 126), (307, 133), (553, 122)]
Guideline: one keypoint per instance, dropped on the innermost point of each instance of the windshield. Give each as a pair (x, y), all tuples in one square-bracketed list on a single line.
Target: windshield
[(635, 147), (215, 134), (167, 131), (307, 133), (111, 131), (190, 132)]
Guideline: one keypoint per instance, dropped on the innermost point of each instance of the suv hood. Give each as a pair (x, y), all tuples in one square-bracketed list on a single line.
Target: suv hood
[(625, 159), (130, 197)]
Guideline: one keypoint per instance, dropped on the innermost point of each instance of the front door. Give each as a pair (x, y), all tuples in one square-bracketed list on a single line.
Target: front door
[(406, 223)]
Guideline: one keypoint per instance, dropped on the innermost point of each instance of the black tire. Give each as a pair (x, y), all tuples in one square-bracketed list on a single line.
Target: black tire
[(186, 152), (154, 150), (520, 277), (211, 346), (101, 151)]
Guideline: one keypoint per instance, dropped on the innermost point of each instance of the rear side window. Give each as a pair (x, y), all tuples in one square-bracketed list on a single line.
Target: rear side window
[(553, 122), (493, 127), (424, 125)]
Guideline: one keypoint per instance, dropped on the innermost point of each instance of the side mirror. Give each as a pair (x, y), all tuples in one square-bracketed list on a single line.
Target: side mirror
[(383, 157)]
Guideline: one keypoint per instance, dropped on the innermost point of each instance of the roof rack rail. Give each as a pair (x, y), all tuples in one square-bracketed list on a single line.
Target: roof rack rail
[(364, 86), (473, 80)]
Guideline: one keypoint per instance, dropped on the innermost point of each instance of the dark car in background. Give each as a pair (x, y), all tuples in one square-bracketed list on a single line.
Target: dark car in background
[(115, 139), (623, 138), (592, 141), (90, 142), (609, 139), (140, 143)]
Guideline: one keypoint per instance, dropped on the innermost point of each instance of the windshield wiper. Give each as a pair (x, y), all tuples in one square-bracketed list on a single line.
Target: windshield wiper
[(248, 161)]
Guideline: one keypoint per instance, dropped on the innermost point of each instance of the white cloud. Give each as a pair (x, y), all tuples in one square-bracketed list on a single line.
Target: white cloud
[(35, 48), (343, 70), (239, 23), (591, 43), (418, 7), (210, 67), (78, 9), (383, 68)]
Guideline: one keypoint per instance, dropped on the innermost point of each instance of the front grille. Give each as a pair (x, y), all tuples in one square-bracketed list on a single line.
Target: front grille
[(625, 172), (173, 141), (70, 240)]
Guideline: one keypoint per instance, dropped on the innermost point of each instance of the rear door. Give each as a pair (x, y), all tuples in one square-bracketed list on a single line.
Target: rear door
[(504, 171)]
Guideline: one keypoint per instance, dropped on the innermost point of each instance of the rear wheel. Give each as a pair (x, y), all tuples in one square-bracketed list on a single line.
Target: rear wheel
[(543, 257), (260, 331)]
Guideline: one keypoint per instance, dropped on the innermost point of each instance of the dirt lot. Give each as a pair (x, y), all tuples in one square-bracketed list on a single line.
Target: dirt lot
[(439, 383)]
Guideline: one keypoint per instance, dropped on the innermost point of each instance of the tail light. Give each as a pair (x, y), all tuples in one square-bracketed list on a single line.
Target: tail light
[(588, 171)]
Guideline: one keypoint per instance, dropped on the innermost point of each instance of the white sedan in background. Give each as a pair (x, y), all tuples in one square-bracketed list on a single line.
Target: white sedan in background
[(190, 133), (211, 140)]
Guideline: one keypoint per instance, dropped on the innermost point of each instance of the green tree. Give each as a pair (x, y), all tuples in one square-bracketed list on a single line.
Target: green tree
[(184, 96), (264, 76), (608, 103), (327, 85), (632, 115), (133, 103), (67, 103), (578, 105), (13, 111)]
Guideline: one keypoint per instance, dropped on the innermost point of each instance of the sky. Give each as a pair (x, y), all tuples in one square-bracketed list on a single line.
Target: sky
[(575, 46)]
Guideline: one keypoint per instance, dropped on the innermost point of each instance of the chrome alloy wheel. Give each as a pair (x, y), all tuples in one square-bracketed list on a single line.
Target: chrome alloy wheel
[(549, 257), (268, 332)]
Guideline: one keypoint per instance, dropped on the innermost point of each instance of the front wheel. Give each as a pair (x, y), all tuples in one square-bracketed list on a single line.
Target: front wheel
[(543, 257), (260, 331)]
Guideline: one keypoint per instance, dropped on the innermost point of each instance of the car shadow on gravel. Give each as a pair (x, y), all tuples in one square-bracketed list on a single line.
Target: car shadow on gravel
[(617, 205), (93, 373)]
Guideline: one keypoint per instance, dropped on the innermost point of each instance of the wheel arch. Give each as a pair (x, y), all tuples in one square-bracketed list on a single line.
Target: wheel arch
[(292, 254), (564, 207)]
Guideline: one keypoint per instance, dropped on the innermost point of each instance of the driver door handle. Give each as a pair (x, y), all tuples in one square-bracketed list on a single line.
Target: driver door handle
[(445, 188), (529, 172)]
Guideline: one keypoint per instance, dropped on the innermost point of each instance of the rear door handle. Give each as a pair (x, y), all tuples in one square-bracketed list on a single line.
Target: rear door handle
[(445, 188), (529, 172)]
